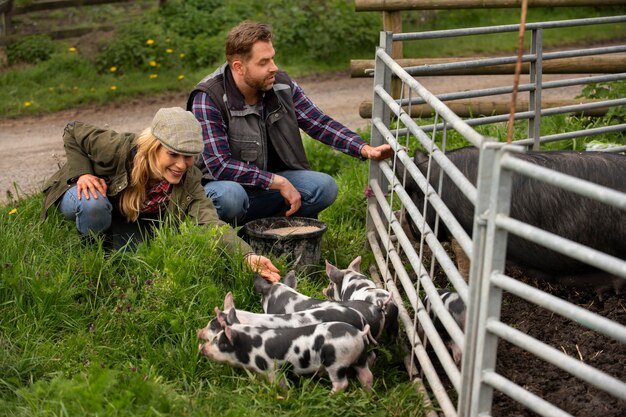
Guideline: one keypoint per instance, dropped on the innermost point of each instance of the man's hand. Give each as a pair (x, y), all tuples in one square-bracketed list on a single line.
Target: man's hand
[(263, 266), (292, 196), (378, 153), (90, 183)]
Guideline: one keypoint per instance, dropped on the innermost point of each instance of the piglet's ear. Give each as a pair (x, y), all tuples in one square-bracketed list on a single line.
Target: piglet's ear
[(220, 318), (290, 279), (228, 301), (334, 274), (356, 264), (229, 335), (232, 316), (261, 285)]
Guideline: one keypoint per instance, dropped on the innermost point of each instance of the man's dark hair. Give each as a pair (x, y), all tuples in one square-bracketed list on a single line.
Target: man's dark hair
[(242, 37)]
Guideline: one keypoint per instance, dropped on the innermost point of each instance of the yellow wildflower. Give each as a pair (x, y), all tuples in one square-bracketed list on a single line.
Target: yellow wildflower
[(113, 69), (27, 104), (180, 77), (153, 76), (72, 49), (13, 211), (113, 88), (152, 63), (150, 42), (181, 56), (169, 50)]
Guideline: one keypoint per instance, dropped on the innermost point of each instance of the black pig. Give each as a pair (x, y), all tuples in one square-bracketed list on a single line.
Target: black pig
[(558, 211)]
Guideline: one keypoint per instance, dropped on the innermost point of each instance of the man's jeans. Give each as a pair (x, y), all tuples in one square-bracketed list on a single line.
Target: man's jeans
[(238, 205)]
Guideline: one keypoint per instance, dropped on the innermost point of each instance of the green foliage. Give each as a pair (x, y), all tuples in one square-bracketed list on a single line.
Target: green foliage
[(204, 51), (101, 391), (187, 41), (142, 46), (31, 49), (85, 331)]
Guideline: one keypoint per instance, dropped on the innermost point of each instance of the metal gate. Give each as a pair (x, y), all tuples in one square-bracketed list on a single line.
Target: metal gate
[(393, 123)]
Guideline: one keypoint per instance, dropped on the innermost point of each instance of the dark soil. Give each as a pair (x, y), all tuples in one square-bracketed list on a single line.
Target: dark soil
[(549, 382), (545, 380)]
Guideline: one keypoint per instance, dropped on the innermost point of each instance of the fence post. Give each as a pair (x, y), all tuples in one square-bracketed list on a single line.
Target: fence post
[(536, 75), (485, 299), (392, 22), (382, 77)]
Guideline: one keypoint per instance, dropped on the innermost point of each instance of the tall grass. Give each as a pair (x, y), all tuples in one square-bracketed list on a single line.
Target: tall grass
[(86, 331)]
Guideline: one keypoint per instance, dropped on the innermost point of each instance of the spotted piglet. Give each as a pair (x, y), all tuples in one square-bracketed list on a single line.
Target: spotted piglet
[(282, 298), (456, 307), (330, 348), (351, 284), (273, 321)]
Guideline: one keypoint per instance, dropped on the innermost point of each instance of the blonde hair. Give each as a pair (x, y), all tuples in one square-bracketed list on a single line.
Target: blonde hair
[(144, 167)]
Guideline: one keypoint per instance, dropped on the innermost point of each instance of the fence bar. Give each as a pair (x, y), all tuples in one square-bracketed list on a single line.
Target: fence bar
[(417, 347), (450, 33), (568, 310), (455, 121), (431, 239), (564, 246), (427, 283), (575, 108), (488, 62), (575, 134), (485, 92), (554, 356), (435, 200), (522, 396), (439, 347)]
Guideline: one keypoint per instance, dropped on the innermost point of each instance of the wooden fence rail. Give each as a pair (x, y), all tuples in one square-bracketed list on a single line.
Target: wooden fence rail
[(602, 64), (8, 10), (396, 5)]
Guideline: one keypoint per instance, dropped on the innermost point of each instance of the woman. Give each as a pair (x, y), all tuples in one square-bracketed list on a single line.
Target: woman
[(122, 183)]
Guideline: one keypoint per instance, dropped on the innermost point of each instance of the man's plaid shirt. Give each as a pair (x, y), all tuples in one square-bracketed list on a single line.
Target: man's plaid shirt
[(310, 118)]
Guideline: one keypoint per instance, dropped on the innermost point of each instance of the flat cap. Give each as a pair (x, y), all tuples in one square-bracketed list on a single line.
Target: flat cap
[(178, 130)]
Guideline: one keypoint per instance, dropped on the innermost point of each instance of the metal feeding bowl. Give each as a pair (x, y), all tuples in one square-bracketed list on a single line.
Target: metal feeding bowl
[(299, 239)]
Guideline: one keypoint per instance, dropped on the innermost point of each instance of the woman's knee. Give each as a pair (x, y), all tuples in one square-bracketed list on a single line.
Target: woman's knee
[(93, 214)]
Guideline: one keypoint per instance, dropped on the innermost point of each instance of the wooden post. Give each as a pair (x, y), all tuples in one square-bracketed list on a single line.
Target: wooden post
[(392, 22), (6, 7)]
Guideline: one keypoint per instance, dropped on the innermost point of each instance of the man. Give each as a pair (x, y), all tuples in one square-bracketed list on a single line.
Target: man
[(251, 114)]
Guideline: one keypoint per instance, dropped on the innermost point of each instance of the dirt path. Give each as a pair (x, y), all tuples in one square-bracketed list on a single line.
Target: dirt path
[(33, 149)]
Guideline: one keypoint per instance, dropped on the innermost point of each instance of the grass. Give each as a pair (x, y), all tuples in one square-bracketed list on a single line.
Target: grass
[(85, 331)]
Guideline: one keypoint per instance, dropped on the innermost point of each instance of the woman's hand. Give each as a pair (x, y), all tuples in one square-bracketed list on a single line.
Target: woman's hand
[(90, 183), (263, 266)]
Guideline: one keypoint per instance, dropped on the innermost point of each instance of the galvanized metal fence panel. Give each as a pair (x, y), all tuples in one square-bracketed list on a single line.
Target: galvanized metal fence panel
[(408, 267)]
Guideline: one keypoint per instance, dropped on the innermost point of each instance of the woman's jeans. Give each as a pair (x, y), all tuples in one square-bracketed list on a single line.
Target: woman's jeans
[(93, 216), (238, 205)]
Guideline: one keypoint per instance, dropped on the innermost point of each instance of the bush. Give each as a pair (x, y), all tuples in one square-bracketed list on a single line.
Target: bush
[(31, 49), (205, 51), (141, 46)]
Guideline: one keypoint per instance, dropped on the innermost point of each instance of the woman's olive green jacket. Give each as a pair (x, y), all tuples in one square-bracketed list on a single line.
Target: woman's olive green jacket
[(105, 153)]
